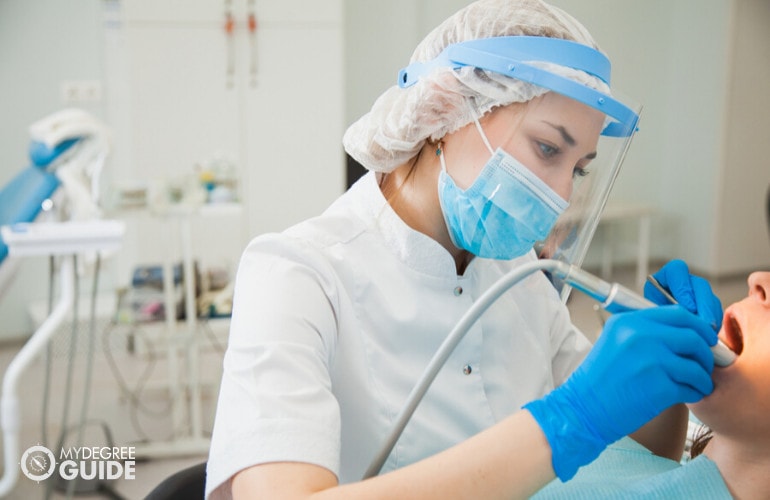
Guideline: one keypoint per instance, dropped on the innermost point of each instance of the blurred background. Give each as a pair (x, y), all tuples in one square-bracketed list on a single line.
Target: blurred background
[(225, 121)]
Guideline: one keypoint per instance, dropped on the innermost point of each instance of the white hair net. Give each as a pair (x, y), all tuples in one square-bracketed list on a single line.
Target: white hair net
[(402, 119)]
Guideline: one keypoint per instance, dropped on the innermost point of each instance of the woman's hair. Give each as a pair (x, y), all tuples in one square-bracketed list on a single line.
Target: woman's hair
[(700, 441)]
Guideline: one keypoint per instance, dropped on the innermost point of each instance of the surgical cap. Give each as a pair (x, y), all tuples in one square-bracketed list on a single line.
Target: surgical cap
[(402, 119)]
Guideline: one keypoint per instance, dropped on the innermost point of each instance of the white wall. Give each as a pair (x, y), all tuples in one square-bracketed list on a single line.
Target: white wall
[(42, 43), (380, 37)]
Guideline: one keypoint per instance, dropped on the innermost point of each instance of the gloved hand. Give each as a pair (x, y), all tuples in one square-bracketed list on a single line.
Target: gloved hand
[(692, 292), (643, 362)]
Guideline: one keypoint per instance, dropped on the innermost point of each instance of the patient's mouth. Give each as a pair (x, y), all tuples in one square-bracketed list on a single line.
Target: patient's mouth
[(733, 334)]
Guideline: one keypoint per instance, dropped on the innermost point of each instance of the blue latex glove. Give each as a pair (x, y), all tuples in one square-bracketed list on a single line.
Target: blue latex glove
[(643, 362), (692, 292)]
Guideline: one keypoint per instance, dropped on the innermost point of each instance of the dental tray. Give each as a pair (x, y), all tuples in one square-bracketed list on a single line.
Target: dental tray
[(57, 238)]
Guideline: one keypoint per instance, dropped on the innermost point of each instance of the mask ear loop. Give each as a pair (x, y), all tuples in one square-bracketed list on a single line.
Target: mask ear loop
[(439, 149), (478, 126)]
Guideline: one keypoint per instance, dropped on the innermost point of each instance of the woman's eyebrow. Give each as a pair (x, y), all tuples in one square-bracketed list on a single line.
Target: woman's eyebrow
[(564, 134), (568, 138)]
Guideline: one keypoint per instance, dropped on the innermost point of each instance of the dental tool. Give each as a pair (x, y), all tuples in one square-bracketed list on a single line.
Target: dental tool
[(723, 355), (613, 297), (654, 282)]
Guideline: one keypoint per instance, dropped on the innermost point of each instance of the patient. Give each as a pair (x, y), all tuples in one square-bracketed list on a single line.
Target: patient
[(735, 457)]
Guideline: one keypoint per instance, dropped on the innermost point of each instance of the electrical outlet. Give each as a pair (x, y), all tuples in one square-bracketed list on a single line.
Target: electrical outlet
[(81, 91)]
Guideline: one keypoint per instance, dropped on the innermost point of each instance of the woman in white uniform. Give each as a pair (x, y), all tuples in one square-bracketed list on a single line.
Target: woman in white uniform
[(335, 319)]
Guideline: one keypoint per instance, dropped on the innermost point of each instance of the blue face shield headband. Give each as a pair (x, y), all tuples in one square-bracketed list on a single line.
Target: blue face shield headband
[(507, 55)]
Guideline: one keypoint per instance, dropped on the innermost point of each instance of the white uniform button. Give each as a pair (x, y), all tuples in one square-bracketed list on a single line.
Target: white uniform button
[(458, 291), (467, 369)]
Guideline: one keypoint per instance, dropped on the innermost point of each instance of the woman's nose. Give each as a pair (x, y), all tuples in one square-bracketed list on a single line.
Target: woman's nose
[(759, 286), (563, 186)]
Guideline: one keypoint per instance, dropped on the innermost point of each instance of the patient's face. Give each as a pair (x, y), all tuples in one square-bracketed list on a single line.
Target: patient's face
[(740, 404)]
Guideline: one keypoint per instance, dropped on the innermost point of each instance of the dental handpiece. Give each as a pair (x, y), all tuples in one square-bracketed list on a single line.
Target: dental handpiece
[(615, 298), (723, 355)]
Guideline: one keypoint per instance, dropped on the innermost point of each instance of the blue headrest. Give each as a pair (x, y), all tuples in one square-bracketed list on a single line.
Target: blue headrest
[(21, 199)]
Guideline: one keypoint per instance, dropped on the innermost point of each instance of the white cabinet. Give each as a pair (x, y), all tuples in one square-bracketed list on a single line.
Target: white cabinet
[(295, 146), (271, 99)]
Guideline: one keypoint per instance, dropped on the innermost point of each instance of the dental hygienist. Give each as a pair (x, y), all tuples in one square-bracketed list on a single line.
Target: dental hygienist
[(472, 158)]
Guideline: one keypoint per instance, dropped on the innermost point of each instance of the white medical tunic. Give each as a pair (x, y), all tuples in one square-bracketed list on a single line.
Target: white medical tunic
[(335, 320)]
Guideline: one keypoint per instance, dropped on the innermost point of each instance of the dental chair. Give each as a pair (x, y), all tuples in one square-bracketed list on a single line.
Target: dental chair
[(22, 200), (50, 209)]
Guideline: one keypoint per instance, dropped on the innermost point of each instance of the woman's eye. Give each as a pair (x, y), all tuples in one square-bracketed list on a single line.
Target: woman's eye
[(547, 150), (579, 172)]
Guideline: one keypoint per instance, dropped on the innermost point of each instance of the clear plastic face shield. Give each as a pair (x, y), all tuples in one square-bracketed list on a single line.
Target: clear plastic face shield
[(522, 58)]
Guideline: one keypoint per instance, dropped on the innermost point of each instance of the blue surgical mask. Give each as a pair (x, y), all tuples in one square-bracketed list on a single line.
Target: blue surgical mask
[(503, 213)]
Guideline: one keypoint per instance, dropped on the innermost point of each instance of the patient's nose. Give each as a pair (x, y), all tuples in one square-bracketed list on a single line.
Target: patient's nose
[(759, 286)]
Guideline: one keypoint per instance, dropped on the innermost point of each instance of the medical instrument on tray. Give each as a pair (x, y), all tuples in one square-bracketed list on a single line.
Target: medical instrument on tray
[(614, 298)]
